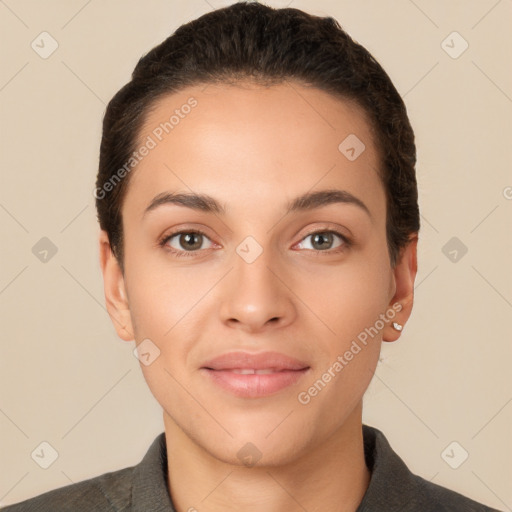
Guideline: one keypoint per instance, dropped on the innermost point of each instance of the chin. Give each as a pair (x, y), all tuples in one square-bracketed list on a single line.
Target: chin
[(261, 442), (258, 454)]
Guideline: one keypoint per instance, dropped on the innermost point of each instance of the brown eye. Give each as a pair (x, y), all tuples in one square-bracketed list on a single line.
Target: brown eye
[(186, 241), (190, 241)]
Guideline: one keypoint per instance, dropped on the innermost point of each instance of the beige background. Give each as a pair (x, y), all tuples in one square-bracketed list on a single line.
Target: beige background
[(68, 380)]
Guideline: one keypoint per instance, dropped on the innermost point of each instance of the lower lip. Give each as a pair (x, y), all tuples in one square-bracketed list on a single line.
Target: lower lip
[(254, 385)]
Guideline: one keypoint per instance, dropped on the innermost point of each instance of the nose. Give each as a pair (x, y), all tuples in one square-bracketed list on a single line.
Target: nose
[(257, 296)]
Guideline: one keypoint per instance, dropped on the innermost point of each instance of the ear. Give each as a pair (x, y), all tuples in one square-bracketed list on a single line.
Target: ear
[(404, 275), (115, 292)]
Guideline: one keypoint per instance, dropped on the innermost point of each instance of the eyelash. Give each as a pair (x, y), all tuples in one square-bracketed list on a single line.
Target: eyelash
[(347, 243), (180, 254)]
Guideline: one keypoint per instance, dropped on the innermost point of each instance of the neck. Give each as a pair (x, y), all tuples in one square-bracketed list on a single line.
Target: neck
[(332, 476)]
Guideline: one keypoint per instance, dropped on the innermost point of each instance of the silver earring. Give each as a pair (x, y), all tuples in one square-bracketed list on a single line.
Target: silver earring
[(397, 326)]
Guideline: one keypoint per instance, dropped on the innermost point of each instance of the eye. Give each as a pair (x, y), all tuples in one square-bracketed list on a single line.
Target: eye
[(183, 242), (189, 243), (323, 241)]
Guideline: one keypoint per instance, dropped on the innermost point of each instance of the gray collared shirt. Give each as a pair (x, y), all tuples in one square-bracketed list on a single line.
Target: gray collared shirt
[(143, 488)]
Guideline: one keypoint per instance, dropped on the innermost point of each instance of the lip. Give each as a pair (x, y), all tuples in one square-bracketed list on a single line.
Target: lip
[(257, 361), (280, 371)]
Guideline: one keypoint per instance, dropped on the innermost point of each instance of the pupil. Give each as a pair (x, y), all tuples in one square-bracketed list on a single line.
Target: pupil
[(322, 239), (191, 240)]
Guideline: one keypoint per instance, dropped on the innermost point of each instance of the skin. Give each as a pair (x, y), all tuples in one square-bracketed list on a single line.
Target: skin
[(254, 149)]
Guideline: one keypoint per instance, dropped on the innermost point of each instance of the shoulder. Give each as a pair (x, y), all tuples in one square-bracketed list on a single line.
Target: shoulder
[(134, 489), (394, 487), (108, 492), (427, 496)]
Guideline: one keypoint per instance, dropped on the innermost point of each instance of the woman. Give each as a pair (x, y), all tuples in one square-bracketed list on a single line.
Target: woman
[(259, 220)]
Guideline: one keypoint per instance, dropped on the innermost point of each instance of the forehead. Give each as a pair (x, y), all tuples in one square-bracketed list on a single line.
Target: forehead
[(245, 140)]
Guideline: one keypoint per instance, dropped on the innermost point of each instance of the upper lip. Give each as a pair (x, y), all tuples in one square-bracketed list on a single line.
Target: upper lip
[(258, 361)]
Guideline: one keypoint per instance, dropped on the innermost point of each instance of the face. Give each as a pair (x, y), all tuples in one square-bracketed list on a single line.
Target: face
[(252, 236)]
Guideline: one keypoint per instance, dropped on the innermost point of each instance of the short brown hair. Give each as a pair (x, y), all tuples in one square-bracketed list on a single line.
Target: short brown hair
[(268, 46)]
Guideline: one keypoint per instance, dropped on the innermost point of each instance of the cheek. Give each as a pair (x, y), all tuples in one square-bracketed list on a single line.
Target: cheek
[(347, 298), (162, 297), (349, 302)]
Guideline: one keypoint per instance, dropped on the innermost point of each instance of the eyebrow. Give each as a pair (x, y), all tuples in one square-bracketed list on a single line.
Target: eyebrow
[(307, 201)]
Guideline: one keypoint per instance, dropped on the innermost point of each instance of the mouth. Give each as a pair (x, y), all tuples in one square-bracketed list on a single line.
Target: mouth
[(251, 371), (254, 375)]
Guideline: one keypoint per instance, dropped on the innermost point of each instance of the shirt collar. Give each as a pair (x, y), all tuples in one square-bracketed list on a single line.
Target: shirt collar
[(149, 485), (150, 491), (391, 482)]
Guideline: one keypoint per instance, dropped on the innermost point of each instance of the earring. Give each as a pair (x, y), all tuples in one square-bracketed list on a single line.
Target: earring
[(397, 326)]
